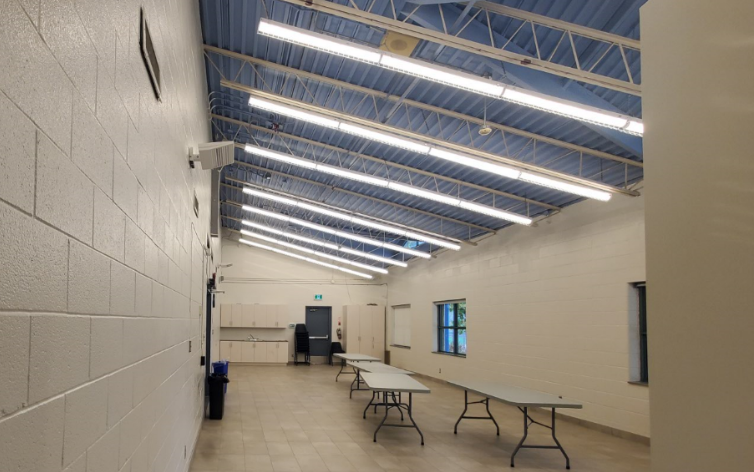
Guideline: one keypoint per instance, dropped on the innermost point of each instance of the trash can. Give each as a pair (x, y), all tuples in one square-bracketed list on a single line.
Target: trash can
[(221, 368), (217, 395)]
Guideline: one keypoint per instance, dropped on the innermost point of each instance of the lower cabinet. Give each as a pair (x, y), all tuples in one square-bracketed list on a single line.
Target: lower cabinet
[(259, 352)]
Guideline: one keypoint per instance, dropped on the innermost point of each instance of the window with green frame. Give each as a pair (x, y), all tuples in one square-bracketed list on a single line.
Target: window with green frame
[(451, 328)]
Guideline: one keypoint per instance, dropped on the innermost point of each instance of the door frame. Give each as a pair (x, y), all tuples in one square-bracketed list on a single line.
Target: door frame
[(329, 324)]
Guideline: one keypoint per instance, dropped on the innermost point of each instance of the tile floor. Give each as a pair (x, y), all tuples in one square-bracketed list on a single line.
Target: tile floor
[(290, 419)]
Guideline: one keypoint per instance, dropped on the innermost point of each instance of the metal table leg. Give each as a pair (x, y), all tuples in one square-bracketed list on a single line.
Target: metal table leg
[(486, 403), (401, 406), (356, 381), (528, 421)]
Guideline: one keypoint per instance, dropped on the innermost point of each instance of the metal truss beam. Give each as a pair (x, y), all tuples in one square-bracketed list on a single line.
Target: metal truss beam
[(492, 51), (348, 118), (356, 194), (535, 138), (338, 150)]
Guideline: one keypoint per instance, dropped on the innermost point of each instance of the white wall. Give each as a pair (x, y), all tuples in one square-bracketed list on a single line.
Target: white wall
[(547, 309), (259, 276), (697, 68), (101, 260)]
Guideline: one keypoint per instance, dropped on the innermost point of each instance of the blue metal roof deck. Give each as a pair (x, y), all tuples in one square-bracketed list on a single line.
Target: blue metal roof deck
[(232, 24)]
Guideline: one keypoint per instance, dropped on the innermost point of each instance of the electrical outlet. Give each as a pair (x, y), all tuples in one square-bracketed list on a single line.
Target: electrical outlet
[(439, 371), (189, 346), (185, 452)]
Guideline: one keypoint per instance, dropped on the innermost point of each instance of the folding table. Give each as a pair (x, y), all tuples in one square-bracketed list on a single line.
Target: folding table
[(521, 398), (389, 385), (345, 357), (374, 367)]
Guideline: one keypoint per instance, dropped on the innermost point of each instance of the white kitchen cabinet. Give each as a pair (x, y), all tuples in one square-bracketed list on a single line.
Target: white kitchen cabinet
[(236, 319), (225, 350), (236, 353), (364, 330), (255, 352), (225, 315), (260, 352), (282, 353), (249, 313)]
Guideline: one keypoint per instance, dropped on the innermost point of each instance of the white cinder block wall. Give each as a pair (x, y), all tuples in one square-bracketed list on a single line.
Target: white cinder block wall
[(258, 276), (547, 309), (102, 266)]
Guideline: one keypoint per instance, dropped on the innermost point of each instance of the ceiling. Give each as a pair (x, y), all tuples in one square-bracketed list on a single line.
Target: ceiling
[(560, 144)]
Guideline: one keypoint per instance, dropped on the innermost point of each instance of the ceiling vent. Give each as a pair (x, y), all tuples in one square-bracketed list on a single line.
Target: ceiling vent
[(213, 155), (397, 43)]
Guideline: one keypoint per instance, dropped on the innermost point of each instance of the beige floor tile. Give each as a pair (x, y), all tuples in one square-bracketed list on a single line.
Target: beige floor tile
[(285, 419)]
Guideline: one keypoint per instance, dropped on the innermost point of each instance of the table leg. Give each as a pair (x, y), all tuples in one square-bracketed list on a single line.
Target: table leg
[(529, 421), (466, 402), (397, 404), (357, 381), (368, 405), (342, 364), (411, 417)]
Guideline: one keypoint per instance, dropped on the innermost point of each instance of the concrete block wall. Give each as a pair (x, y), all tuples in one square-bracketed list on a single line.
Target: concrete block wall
[(548, 308), (102, 259)]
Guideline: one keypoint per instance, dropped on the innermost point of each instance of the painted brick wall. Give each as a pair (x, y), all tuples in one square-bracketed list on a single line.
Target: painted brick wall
[(548, 309), (101, 258)]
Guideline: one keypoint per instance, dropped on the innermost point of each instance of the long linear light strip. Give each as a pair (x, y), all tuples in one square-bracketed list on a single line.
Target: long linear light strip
[(313, 252), (451, 77), (318, 242), (342, 234), (398, 187), (353, 219), (302, 258), (422, 148)]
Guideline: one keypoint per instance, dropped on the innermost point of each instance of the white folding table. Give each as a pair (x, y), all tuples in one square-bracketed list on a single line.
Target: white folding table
[(521, 398), (389, 385), (345, 357), (374, 367)]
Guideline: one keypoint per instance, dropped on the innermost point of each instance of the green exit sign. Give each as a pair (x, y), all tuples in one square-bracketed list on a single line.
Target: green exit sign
[(318, 297)]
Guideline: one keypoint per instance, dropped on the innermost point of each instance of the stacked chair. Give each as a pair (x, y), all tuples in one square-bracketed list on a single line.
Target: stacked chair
[(302, 344)]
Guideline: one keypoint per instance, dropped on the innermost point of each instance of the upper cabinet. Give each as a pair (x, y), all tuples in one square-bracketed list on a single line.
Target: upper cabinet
[(237, 315)]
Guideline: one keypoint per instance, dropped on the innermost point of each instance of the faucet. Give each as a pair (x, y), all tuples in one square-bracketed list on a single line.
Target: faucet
[(251, 338)]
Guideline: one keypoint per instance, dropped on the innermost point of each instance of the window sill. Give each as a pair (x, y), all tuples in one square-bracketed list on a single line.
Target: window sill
[(400, 346), (463, 356), (641, 384)]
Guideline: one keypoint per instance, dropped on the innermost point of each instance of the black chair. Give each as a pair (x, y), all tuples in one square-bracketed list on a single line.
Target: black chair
[(301, 339), (335, 348)]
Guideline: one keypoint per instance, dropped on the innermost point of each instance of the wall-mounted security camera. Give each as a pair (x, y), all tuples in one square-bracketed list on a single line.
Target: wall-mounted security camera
[(213, 155)]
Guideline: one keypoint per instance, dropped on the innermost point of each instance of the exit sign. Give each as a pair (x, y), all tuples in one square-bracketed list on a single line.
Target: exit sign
[(318, 297)]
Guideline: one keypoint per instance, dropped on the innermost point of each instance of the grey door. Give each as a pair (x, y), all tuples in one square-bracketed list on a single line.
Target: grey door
[(319, 324)]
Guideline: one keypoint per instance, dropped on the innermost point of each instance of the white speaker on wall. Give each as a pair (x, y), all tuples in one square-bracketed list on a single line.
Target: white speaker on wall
[(213, 155)]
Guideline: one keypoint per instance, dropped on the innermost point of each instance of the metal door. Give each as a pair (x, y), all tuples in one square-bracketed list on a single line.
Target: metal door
[(319, 324)]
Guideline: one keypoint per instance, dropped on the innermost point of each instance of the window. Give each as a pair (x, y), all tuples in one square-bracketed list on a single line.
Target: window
[(451, 328), (639, 370), (402, 326), (641, 290)]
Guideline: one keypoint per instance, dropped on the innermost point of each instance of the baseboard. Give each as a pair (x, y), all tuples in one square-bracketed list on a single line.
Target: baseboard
[(585, 423)]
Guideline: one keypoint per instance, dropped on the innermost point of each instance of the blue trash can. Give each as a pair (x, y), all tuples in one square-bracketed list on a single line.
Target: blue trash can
[(221, 368)]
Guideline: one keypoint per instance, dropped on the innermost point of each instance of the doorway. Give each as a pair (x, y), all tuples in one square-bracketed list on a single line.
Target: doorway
[(319, 325)]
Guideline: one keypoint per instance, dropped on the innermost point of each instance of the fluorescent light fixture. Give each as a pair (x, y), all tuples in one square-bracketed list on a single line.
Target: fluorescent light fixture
[(293, 112), (398, 187), (450, 77), (280, 157), (635, 127), (494, 212), (317, 41), (566, 187), (342, 234), (476, 163), (307, 259), (384, 138), (442, 75), (357, 176), (429, 195), (362, 222), (318, 242), (562, 107), (311, 251)]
